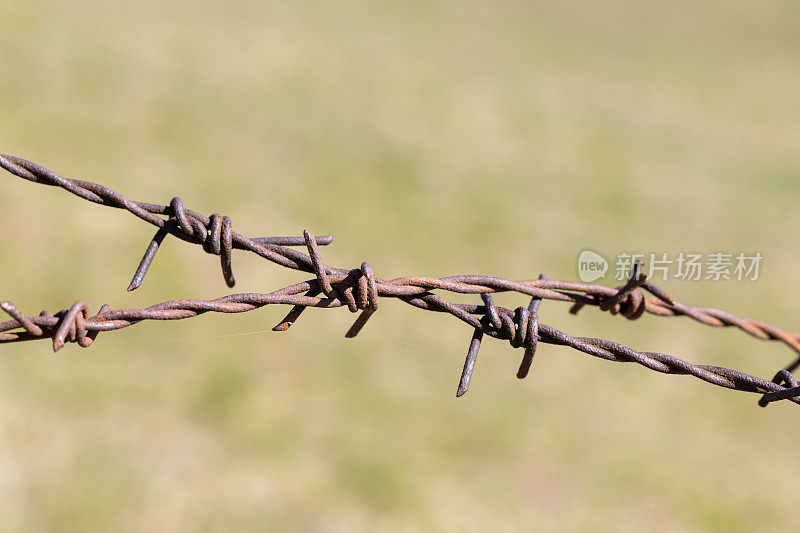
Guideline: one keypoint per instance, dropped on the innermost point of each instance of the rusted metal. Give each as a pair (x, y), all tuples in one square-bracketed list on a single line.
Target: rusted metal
[(359, 290)]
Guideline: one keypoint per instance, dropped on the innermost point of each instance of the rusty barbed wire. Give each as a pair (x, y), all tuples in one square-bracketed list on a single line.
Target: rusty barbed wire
[(360, 290)]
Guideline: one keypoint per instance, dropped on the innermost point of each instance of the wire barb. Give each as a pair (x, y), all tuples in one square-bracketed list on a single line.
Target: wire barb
[(792, 390), (531, 324), (359, 289)]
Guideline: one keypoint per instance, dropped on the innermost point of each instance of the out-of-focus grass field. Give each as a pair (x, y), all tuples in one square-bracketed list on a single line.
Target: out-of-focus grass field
[(431, 139)]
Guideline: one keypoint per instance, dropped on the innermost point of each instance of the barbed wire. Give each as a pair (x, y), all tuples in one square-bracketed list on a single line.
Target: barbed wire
[(360, 291)]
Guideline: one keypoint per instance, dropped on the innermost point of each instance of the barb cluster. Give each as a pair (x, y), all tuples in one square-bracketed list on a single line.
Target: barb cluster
[(360, 290)]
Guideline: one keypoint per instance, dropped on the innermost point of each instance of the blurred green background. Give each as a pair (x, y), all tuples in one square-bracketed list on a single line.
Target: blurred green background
[(432, 139)]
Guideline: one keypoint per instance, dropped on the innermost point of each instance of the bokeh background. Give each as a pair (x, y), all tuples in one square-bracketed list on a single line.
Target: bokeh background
[(431, 138)]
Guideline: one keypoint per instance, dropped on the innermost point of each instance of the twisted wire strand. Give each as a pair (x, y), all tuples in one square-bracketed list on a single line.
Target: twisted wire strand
[(275, 249), (213, 233), (359, 290), (75, 325)]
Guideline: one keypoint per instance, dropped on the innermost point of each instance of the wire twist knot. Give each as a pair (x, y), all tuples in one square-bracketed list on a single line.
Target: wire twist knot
[(520, 327), (357, 289), (791, 390), (69, 326), (629, 301)]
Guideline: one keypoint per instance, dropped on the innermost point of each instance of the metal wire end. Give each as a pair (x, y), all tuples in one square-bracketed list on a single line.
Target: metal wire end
[(469, 363), (320, 270), (531, 324), (294, 313), (147, 259), (24, 321)]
